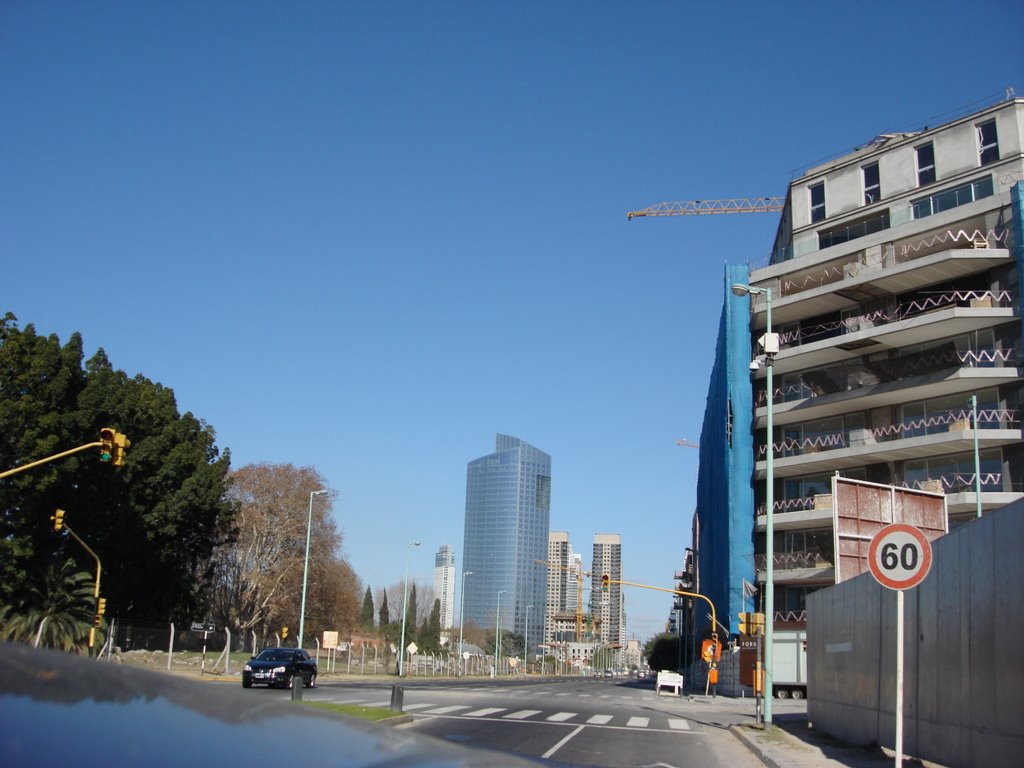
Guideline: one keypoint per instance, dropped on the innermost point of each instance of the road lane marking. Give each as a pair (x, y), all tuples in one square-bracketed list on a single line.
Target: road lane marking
[(446, 710), (522, 714), (638, 722), (561, 743), (599, 720), (385, 704), (561, 717), (678, 725), (416, 706), (483, 712)]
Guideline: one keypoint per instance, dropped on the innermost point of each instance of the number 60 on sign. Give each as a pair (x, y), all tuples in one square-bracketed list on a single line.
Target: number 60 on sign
[(899, 556)]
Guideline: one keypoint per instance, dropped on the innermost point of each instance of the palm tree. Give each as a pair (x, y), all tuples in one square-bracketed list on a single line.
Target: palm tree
[(58, 612)]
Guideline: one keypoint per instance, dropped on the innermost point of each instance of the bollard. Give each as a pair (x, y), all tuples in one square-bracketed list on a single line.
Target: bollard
[(297, 685), (397, 694)]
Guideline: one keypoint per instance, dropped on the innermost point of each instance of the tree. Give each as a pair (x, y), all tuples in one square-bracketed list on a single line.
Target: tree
[(154, 522), (430, 633), (60, 611), (384, 616), (366, 614), (662, 652), (410, 613), (257, 580)]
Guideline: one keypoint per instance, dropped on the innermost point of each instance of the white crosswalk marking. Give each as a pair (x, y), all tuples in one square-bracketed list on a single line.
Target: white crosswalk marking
[(599, 720), (678, 725), (638, 722), (483, 712), (561, 717), (522, 714), (446, 710), (386, 703), (416, 706)]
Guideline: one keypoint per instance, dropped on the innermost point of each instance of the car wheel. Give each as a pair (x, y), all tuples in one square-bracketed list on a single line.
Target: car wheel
[(311, 681), (289, 682), (782, 693), (246, 682), (798, 694)]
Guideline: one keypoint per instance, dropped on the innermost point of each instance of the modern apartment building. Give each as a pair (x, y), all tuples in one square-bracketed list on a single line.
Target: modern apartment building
[(564, 584), (444, 588), (508, 507), (894, 286), (608, 607)]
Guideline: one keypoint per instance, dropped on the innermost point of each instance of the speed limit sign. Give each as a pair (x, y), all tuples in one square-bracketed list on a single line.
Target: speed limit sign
[(899, 556)]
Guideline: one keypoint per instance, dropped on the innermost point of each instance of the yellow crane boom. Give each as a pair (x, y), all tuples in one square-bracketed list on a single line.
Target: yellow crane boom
[(705, 207)]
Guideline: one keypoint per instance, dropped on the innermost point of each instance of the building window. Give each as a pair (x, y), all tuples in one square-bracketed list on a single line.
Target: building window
[(817, 193), (853, 230), (952, 198), (925, 164), (988, 143), (872, 186)]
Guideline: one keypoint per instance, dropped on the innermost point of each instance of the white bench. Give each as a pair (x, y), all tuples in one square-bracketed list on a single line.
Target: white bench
[(672, 681)]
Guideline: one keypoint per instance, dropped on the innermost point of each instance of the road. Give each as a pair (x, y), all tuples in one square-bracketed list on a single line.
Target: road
[(580, 721)]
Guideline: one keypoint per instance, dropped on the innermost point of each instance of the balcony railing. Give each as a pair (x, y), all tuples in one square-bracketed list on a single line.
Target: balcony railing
[(794, 561), (992, 418), (857, 375), (904, 311)]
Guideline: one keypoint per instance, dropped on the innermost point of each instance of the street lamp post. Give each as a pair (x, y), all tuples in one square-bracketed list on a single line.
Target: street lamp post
[(462, 618), (305, 567), (405, 608), (770, 344), (497, 632), (526, 642)]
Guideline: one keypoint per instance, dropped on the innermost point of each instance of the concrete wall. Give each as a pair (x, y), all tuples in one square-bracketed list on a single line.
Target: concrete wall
[(963, 656)]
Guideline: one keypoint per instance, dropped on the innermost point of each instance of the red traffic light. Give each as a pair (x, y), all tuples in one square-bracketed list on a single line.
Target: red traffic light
[(107, 436)]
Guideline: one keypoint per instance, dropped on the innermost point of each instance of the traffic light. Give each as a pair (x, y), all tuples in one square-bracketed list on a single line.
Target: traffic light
[(101, 608), (121, 444), (58, 519), (107, 439), (284, 632), (605, 580)]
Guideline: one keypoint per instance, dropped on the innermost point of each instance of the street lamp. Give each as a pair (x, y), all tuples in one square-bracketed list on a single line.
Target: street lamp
[(405, 608), (770, 344), (526, 642), (497, 632), (305, 567), (462, 618)]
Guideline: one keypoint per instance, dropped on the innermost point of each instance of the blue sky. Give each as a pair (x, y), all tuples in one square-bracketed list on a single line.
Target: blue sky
[(368, 237)]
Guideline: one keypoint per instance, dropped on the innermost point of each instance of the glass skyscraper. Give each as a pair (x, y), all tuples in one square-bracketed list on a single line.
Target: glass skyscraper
[(508, 509)]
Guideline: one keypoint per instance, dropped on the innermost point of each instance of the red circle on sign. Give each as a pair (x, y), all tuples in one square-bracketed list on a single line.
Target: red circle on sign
[(899, 556)]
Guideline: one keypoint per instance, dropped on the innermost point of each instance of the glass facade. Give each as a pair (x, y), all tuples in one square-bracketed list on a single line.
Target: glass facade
[(508, 510)]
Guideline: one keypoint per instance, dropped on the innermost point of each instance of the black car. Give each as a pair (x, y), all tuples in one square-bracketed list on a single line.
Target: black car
[(279, 667)]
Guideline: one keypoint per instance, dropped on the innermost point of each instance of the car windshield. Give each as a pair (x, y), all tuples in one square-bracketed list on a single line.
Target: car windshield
[(273, 655)]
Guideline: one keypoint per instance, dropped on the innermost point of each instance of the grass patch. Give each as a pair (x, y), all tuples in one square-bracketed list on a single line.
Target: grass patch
[(354, 710)]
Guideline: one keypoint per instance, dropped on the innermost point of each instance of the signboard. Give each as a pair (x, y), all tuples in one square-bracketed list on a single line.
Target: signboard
[(861, 509), (900, 556), (204, 626), (330, 640), (412, 648)]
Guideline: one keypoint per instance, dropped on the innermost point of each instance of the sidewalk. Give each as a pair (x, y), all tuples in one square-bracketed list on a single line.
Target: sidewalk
[(792, 743)]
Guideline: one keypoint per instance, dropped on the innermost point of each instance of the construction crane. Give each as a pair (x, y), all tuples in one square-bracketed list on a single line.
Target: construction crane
[(579, 593), (687, 443), (706, 207)]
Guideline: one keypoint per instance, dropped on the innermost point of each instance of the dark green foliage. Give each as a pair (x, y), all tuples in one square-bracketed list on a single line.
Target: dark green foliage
[(384, 617), (662, 652), (429, 638), (366, 614), (153, 522)]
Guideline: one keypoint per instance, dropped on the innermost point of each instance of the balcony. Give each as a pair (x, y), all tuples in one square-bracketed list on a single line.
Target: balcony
[(802, 567), (931, 436)]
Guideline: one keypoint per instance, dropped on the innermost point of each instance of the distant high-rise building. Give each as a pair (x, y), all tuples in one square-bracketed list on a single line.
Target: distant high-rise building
[(444, 587), (508, 506), (608, 607), (564, 569)]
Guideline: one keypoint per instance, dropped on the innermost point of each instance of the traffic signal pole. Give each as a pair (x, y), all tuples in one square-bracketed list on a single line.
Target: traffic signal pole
[(48, 459), (96, 587), (705, 598), (112, 445)]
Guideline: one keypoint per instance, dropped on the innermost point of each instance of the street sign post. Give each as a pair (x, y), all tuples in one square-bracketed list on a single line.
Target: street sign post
[(899, 557)]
